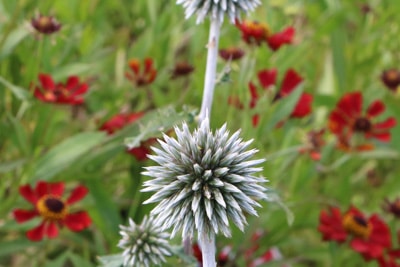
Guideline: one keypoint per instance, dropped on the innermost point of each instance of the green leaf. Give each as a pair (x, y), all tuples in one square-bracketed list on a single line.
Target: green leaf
[(380, 154), (78, 261), (153, 123), (65, 154), (11, 165), (14, 246), (107, 219), (115, 260), (13, 39), (72, 69), (19, 92), (284, 108)]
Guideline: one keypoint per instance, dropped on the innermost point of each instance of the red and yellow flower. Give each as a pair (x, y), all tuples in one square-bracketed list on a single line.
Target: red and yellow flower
[(348, 119), (54, 210), (254, 32), (368, 236), (70, 93), (139, 76), (391, 79)]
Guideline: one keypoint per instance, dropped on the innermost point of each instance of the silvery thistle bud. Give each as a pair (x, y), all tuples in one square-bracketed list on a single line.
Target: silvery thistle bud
[(144, 245), (216, 9), (203, 180)]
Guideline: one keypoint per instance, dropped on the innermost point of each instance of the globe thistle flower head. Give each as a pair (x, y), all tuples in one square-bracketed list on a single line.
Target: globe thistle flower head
[(203, 181), (144, 245), (217, 9)]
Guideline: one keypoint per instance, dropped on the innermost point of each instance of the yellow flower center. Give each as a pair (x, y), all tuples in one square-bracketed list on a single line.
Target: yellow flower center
[(44, 22), (356, 225), (52, 208)]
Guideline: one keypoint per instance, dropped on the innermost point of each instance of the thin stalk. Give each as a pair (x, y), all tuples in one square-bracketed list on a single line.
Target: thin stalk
[(211, 69), (207, 244)]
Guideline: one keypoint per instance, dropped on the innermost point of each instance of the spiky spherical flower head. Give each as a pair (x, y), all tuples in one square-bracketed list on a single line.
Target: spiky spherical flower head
[(204, 180), (217, 9), (144, 245)]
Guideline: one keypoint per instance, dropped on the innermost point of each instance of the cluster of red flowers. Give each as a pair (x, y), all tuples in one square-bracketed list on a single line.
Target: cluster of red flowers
[(227, 257), (54, 210), (254, 32), (118, 122), (267, 79), (368, 236)]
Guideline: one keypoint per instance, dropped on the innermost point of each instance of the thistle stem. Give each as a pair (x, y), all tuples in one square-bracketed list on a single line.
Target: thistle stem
[(211, 69), (207, 244)]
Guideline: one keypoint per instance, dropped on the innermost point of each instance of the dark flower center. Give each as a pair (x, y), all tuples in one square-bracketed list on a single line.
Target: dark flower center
[(362, 125), (356, 225), (52, 208), (54, 205)]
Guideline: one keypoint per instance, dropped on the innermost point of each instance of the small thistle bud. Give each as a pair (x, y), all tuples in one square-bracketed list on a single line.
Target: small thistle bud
[(203, 180), (144, 245), (216, 9)]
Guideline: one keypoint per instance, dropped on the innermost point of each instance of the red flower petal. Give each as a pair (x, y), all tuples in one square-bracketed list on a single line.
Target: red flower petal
[(267, 77), (291, 80), (140, 153), (41, 189), (77, 221), (303, 106), (83, 88), (27, 192), (278, 39), (367, 249), (336, 122), (375, 108), (47, 82), (253, 94), (56, 189), (51, 230), (134, 116), (383, 137), (72, 83), (24, 215), (385, 125), (37, 233), (255, 120), (148, 65), (77, 194), (351, 104)]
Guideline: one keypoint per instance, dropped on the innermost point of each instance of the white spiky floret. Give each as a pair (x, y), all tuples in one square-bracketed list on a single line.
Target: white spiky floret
[(144, 245), (203, 181), (217, 9)]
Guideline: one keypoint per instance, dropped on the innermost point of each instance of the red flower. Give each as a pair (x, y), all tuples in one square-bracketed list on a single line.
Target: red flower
[(393, 261), (70, 93), (144, 77), (45, 24), (292, 79), (254, 32), (231, 53), (118, 122), (181, 69), (54, 210), (391, 78), (276, 40), (347, 118), (392, 207), (369, 237)]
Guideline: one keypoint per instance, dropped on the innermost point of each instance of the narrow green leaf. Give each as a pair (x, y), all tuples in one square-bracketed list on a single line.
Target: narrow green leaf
[(11, 165), (19, 92), (284, 108), (153, 123), (13, 39), (65, 154), (108, 219), (14, 246), (115, 260)]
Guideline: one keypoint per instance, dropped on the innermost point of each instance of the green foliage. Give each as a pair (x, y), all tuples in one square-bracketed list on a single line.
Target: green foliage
[(338, 48)]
